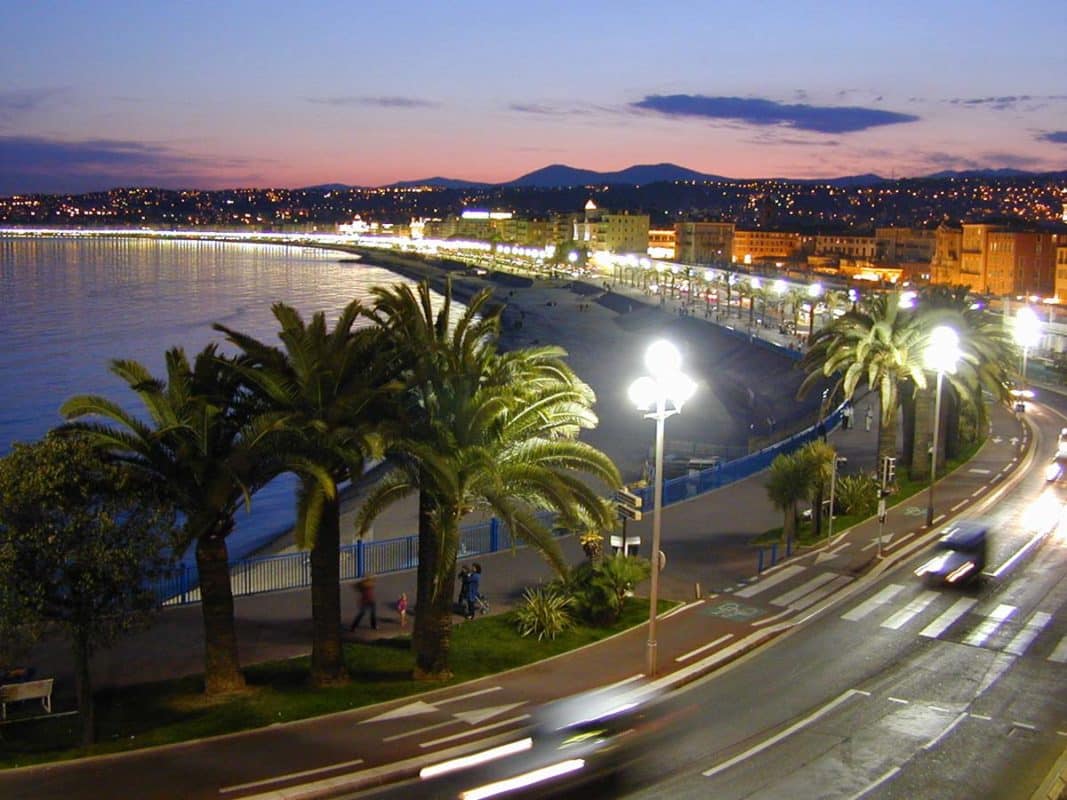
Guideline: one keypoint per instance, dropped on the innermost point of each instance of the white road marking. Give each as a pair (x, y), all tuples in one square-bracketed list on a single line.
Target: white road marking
[(770, 582), (803, 589), (1024, 725), (898, 700), (1026, 636), (468, 694), (886, 776), (933, 742), (816, 596), (942, 623), (1007, 565), (983, 717), (989, 625), (708, 646), (911, 610), (474, 731), (409, 710), (796, 726), (474, 716), (1059, 655), (901, 540), (880, 599), (958, 505), (419, 731), (978, 471), (290, 776)]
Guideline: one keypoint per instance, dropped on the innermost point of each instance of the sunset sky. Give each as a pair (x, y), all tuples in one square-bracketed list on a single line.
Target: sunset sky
[(224, 94)]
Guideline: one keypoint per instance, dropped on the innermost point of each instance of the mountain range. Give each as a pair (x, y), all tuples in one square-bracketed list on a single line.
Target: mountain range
[(561, 175)]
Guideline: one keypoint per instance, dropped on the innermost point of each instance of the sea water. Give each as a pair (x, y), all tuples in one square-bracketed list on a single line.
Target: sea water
[(69, 306)]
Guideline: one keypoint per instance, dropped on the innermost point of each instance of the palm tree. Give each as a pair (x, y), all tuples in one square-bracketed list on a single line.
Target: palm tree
[(987, 357), (879, 344), (480, 430), (208, 447), (326, 384), (787, 484), (817, 458)]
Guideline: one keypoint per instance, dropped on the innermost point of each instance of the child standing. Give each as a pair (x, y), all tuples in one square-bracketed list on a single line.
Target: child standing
[(402, 609)]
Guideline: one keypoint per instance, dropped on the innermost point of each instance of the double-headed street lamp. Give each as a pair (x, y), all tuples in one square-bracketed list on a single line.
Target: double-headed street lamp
[(942, 353), (662, 394)]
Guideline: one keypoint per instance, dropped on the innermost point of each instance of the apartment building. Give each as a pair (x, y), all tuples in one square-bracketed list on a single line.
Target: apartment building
[(1000, 260), (704, 242), (603, 231), (905, 245), (662, 244), (856, 248), (1061, 267), (751, 247)]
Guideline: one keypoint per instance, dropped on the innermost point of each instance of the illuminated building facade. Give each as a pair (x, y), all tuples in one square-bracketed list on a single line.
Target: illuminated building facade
[(704, 242), (602, 231), (754, 246)]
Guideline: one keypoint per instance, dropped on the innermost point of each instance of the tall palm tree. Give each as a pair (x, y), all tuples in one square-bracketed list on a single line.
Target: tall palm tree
[(987, 357), (326, 384), (208, 447), (880, 345), (480, 430)]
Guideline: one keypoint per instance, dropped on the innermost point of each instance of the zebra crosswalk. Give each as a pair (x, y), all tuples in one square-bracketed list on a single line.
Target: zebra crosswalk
[(998, 626)]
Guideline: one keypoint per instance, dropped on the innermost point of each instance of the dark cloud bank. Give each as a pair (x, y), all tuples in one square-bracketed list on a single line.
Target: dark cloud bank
[(755, 111)]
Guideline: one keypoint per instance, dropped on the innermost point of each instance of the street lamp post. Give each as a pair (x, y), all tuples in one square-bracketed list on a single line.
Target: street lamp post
[(1027, 332), (833, 483), (662, 394), (942, 353)]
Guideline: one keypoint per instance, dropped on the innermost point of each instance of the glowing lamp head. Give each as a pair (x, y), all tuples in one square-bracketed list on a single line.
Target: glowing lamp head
[(662, 358), (644, 392), (943, 349), (1027, 327)]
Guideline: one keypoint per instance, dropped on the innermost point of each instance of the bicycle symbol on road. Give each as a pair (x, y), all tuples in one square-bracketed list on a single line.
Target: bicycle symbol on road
[(914, 511), (732, 610)]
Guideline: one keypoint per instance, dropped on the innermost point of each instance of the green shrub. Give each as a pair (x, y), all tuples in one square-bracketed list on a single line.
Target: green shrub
[(544, 612), (599, 590), (856, 494)]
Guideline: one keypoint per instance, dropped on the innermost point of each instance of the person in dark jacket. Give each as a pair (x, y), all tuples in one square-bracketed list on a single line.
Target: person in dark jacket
[(365, 588), (474, 583)]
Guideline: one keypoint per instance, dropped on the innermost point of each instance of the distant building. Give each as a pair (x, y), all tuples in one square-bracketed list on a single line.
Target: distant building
[(662, 244), (704, 242), (1061, 270), (905, 245), (751, 247), (851, 247), (945, 262), (1000, 260), (603, 231)]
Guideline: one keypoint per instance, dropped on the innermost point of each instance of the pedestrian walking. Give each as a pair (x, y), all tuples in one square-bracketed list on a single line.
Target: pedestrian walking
[(402, 609), (464, 583), (365, 589), (868, 418), (847, 414), (474, 585)]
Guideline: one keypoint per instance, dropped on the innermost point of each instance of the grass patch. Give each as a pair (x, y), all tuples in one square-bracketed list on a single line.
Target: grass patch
[(153, 714)]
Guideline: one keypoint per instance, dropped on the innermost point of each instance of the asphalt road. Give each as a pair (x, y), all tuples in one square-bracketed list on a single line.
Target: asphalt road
[(902, 691)]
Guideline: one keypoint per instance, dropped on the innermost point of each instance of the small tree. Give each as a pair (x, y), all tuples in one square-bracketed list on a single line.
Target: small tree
[(79, 544), (787, 485), (817, 458)]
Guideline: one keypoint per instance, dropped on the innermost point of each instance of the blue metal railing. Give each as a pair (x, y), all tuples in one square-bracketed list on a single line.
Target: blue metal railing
[(259, 574)]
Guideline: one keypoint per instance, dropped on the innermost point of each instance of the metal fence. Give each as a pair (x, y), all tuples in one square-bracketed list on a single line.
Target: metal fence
[(256, 575)]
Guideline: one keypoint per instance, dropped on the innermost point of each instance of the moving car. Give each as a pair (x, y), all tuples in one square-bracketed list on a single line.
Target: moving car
[(1057, 468), (960, 554), (568, 743)]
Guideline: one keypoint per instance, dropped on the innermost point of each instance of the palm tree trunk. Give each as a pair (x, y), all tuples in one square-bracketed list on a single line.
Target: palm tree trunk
[(887, 426), (432, 633), (222, 669), (920, 444), (327, 658)]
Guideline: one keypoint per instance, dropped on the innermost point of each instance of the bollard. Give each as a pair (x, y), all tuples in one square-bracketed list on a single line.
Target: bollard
[(774, 554), (696, 590), (759, 563)]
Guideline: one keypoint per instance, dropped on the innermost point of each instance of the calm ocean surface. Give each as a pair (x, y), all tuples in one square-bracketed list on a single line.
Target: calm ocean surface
[(69, 306)]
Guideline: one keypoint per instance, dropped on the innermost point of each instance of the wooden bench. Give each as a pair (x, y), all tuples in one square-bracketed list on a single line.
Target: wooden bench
[(30, 690)]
